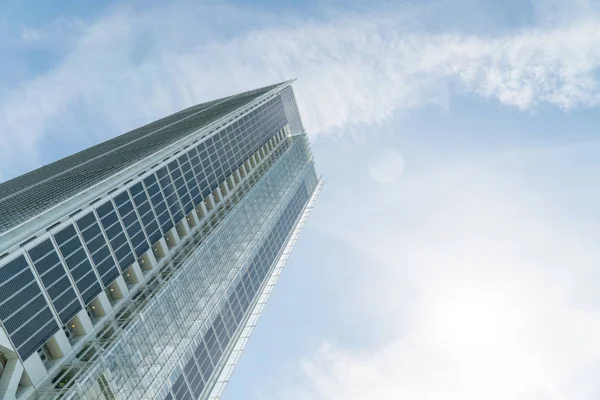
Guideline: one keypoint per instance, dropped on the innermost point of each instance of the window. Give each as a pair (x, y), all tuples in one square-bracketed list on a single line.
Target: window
[(67, 333), (29, 325), (93, 312), (45, 355)]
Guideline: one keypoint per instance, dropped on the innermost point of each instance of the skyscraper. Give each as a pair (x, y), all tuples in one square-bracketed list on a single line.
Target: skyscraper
[(136, 269)]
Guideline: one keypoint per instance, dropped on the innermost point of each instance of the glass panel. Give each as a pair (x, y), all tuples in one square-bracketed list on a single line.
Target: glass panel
[(49, 266)]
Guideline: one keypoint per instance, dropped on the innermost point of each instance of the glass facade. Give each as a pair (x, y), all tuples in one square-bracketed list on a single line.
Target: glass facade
[(201, 230), (26, 196), (24, 312)]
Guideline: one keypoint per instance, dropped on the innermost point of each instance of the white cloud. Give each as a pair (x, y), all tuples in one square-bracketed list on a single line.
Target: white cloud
[(29, 34), (502, 285), (133, 65)]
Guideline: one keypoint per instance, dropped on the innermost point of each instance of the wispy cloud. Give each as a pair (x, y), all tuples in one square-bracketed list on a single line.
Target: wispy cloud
[(354, 69), (29, 35)]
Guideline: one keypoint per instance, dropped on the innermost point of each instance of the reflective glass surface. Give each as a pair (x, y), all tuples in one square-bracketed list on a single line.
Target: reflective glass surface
[(97, 246), (52, 273), (78, 263), (23, 310), (26, 196), (190, 323)]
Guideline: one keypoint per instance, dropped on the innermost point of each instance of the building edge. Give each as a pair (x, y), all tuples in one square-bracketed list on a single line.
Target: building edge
[(256, 310)]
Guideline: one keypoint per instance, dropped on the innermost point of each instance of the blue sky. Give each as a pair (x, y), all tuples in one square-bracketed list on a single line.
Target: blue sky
[(453, 251)]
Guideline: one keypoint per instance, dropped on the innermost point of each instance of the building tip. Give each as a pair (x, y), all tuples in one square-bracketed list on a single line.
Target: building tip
[(284, 84)]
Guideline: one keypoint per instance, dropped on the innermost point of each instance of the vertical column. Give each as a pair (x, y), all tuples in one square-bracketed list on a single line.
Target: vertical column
[(11, 376), (172, 238), (210, 202), (224, 188), (192, 219), (182, 229), (231, 181), (201, 210), (36, 370), (160, 249), (13, 371), (217, 195)]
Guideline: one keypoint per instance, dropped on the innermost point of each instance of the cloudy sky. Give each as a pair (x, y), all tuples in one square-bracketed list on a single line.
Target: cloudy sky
[(453, 253)]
